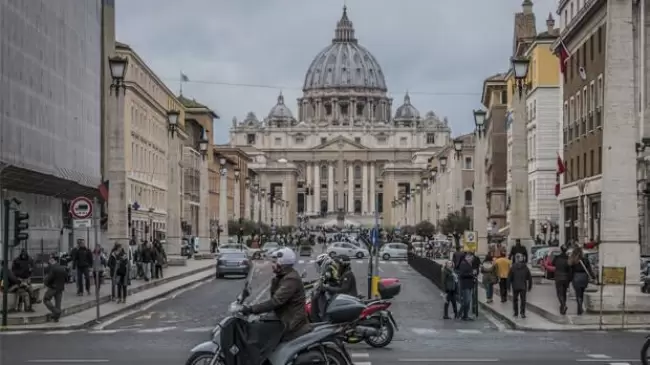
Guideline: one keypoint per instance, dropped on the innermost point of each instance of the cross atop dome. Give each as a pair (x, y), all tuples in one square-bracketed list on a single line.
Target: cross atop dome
[(344, 29)]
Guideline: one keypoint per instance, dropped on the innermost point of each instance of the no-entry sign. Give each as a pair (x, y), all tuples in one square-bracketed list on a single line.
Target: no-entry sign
[(81, 208)]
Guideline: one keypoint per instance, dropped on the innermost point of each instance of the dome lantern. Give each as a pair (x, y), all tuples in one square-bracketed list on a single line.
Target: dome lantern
[(344, 29)]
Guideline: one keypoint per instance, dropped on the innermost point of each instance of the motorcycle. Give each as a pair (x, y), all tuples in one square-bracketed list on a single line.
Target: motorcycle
[(644, 351), (375, 324), (256, 338)]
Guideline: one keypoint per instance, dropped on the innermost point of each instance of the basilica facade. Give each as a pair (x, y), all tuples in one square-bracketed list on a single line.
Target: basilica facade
[(344, 150)]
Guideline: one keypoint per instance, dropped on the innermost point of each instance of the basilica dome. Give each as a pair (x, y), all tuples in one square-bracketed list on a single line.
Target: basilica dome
[(344, 63), (280, 110)]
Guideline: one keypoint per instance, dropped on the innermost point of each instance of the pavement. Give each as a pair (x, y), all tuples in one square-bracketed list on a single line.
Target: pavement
[(163, 332)]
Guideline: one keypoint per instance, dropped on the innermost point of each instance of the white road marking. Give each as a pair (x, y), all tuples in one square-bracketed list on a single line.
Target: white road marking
[(359, 354), (619, 363), (199, 329), (448, 360), (609, 361), (469, 331), (104, 332), (359, 261), (361, 363), (514, 331), (598, 356), (156, 330), (68, 361), (500, 326), (312, 261), (8, 333), (395, 263), (301, 261), (639, 331), (424, 331), (59, 332)]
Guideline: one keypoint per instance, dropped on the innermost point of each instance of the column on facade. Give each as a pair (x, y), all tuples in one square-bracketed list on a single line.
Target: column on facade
[(364, 189), (236, 200), (284, 211), (316, 197), (479, 197), (174, 178), (204, 195), (310, 184), (520, 222), (619, 228), (118, 230), (247, 201), (330, 188), (413, 209), (256, 205), (223, 204), (373, 194), (262, 207), (350, 188), (274, 213)]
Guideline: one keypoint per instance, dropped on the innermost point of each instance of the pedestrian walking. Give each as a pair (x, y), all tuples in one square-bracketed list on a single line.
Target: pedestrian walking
[(82, 260), (581, 276), (55, 285), (466, 278), (562, 277), (502, 265), (521, 281), (146, 256), (488, 269), (99, 262), (518, 249), (121, 272), (450, 282), (112, 267)]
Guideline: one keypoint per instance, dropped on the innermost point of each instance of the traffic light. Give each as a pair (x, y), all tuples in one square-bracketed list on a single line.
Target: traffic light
[(20, 227)]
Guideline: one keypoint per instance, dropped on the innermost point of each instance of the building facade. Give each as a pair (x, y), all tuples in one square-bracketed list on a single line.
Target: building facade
[(50, 144), (345, 151)]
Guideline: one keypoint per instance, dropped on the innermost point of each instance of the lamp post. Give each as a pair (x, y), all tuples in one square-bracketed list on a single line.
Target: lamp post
[(417, 195), (425, 187), (247, 198), (174, 232), (480, 214), (443, 163), (172, 122), (261, 196), (519, 224), (479, 122), (118, 66), (223, 197), (458, 147), (237, 195)]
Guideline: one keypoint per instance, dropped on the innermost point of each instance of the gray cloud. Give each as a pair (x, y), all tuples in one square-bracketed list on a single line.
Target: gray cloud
[(434, 47)]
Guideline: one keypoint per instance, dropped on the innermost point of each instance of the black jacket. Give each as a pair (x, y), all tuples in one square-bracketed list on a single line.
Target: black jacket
[(22, 266), (56, 277), (449, 283), (347, 285), (518, 249), (288, 302), (466, 275), (562, 267), (519, 277), (82, 258)]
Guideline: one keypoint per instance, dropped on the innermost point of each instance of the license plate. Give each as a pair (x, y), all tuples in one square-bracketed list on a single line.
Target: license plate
[(231, 264)]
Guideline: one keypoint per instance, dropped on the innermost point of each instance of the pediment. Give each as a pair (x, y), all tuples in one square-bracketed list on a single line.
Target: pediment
[(340, 144)]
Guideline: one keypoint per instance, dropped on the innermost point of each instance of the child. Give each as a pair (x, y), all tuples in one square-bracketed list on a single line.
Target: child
[(450, 283)]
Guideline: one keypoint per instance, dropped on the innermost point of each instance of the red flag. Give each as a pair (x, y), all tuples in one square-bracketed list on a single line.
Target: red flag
[(103, 190), (557, 185), (560, 165), (564, 55)]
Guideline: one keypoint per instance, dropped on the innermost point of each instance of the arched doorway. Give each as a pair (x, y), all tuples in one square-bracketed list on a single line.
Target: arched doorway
[(357, 206), (323, 206), (301, 203)]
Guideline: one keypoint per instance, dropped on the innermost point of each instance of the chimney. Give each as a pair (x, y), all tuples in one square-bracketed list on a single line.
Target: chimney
[(527, 5), (550, 23)]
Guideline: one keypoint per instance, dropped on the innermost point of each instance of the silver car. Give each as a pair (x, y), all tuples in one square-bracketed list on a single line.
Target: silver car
[(232, 263), (347, 249), (394, 250)]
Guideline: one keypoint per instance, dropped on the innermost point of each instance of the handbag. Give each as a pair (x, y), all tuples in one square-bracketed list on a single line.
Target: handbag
[(591, 279)]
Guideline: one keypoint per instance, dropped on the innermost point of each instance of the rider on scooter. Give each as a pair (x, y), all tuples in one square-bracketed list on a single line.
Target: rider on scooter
[(347, 284), (287, 296)]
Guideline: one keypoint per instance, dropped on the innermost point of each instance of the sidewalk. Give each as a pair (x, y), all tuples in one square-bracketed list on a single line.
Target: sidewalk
[(79, 311), (543, 313)]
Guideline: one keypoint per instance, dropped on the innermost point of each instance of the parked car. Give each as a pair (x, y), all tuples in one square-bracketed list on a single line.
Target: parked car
[(418, 248), (232, 263), (305, 250), (347, 249), (394, 250)]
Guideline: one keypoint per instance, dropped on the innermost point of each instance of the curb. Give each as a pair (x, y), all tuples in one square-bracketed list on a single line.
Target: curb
[(208, 275)]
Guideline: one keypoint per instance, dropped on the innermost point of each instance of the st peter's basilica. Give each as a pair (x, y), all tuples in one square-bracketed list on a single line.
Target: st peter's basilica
[(345, 150)]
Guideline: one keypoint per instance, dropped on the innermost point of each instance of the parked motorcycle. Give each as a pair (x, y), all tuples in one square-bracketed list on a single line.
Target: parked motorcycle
[(256, 338), (375, 324), (644, 351)]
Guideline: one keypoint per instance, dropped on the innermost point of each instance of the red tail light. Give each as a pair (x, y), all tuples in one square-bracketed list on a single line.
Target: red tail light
[(373, 308)]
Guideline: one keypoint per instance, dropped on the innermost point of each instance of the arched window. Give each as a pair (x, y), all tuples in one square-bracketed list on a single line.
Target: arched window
[(323, 172), (357, 172), (468, 197)]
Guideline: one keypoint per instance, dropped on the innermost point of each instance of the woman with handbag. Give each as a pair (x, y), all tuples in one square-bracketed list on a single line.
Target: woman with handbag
[(489, 271), (581, 275)]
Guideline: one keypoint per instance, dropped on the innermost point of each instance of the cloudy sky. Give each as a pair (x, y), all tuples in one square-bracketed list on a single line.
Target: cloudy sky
[(239, 54)]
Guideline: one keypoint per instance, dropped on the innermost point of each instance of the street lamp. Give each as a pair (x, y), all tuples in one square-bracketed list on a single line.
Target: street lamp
[(443, 163), (520, 69), (247, 182), (203, 146), (117, 66), (479, 121), (172, 121), (237, 172), (458, 147), (222, 163), (434, 171)]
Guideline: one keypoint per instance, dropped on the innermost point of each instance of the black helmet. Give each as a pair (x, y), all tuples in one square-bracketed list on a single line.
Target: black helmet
[(343, 259)]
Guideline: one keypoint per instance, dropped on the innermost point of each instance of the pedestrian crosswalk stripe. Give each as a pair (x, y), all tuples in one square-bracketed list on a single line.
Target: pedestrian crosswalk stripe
[(156, 330), (104, 332), (424, 331), (599, 356), (359, 354), (199, 329), (60, 332), (469, 331), (361, 363), (4, 333), (359, 261), (513, 331)]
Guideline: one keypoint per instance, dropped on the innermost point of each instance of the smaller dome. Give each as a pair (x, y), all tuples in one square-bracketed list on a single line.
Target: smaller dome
[(280, 111), (250, 120), (407, 111)]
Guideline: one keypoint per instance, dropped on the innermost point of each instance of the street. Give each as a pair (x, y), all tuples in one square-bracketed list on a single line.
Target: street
[(164, 332)]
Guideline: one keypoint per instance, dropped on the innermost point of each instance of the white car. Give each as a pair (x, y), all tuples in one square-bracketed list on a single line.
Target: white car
[(394, 250), (269, 247), (347, 249)]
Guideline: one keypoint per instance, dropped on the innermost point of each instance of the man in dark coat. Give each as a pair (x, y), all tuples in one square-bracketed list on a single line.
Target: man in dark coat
[(287, 296), (562, 277), (521, 281), (518, 249), (55, 285), (466, 278), (82, 261)]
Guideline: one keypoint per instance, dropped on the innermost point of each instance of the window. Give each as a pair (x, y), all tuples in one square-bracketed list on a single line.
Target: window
[(468, 197), (323, 172), (504, 97), (431, 138), (599, 99), (344, 109), (572, 112), (600, 160), (357, 139), (250, 138), (278, 141), (357, 172), (584, 164), (328, 109), (591, 163), (323, 140), (468, 163), (402, 141), (592, 96), (571, 12), (585, 100), (565, 116), (382, 139), (360, 109), (578, 167), (300, 140), (600, 40), (591, 48)]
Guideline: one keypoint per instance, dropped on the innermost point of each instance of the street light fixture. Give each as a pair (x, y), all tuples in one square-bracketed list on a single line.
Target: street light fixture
[(443, 162), (247, 182), (118, 66), (203, 145), (479, 120), (237, 172), (520, 68), (458, 147), (172, 121)]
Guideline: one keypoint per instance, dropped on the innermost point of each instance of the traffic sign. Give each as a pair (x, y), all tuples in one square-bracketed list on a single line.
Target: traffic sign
[(82, 223), (81, 208), (375, 236), (469, 241)]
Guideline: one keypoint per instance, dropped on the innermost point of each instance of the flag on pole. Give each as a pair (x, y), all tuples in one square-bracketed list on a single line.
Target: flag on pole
[(561, 168), (103, 190), (564, 55), (184, 77)]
